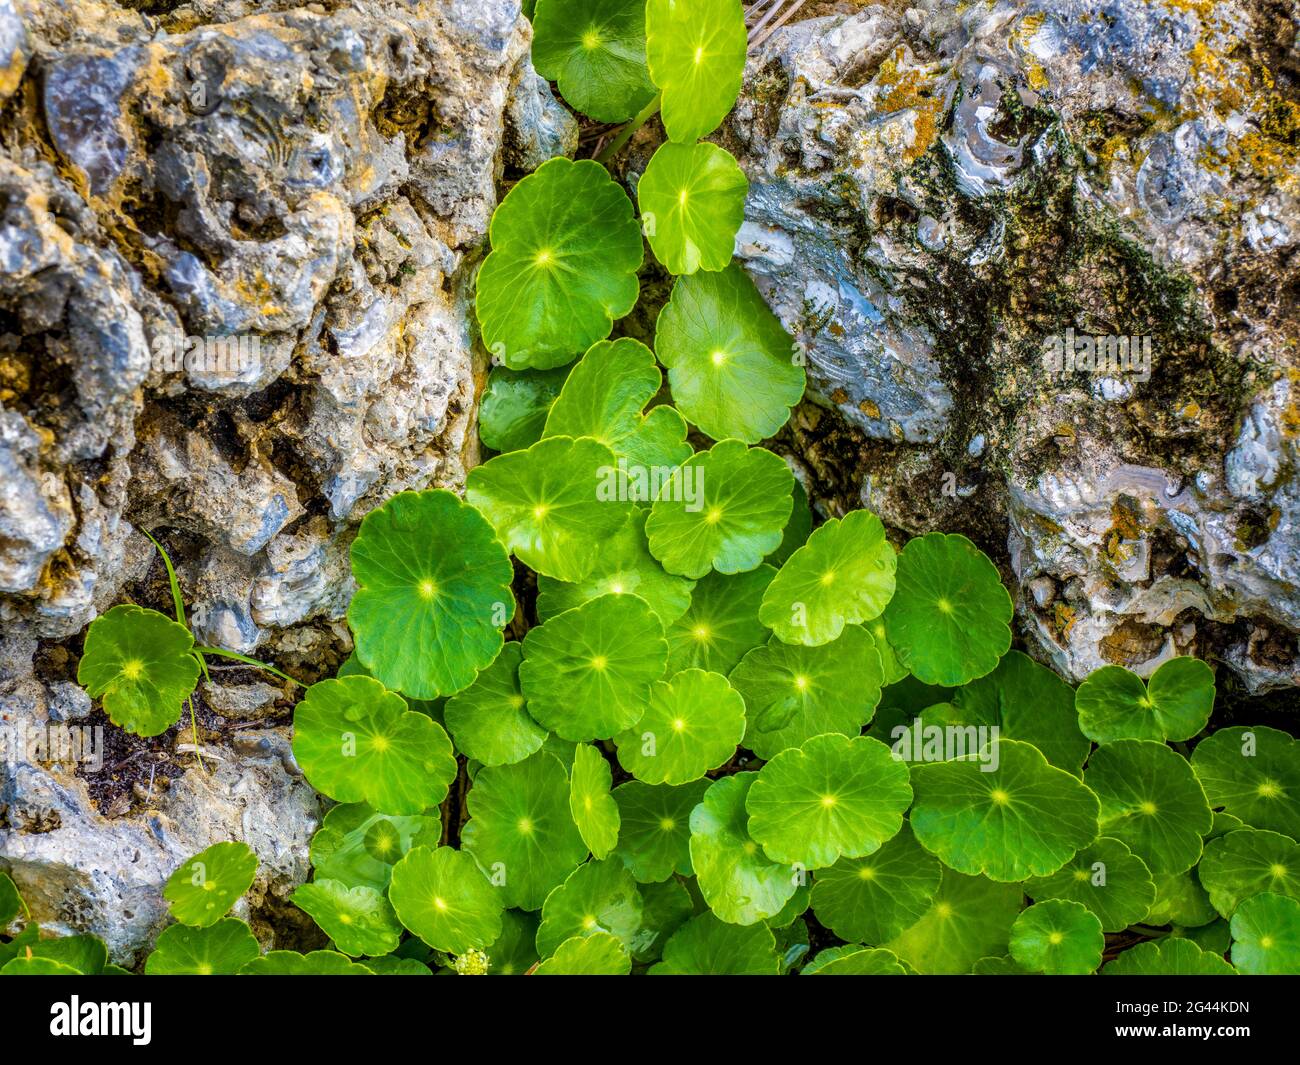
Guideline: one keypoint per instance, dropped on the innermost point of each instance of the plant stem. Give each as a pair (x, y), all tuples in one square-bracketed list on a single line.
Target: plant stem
[(626, 133), (194, 724)]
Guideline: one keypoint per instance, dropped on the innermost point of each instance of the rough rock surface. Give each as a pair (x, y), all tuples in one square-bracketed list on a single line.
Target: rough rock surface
[(937, 190), (236, 245)]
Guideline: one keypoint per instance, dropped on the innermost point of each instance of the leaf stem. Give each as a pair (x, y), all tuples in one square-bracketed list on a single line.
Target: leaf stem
[(626, 133), (177, 601)]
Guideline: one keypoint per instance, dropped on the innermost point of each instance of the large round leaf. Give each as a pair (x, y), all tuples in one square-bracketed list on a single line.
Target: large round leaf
[(596, 897), (593, 808), (1249, 862), (1059, 938), (599, 954), (949, 618), (587, 672), (604, 397), (843, 575), (1266, 936), (357, 742), (1174, 704), (1167, 957), (433, 593), (706, 946), (969, 918), (655, 830), (358, 919), (595, 51), (520, 829), (696, 54), (692, 199), (721, 623), (874, 898), (566, 248), (738, 881), (139, 663), (692, 723), (204, 888), (832, 798), (1107, 878), (793, 692), (1253, 773), (512, 413), (440, 895), (1009, 815), (1151, 801), (731, 365), (732, 520), (546, 506), (220, 949), (488, 720)]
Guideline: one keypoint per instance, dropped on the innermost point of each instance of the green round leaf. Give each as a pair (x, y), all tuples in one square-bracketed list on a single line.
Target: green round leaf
[(488, 720), (1006, 966), (587, 672), (391, 965), (721, 623), (692, 199), (1266, 936), (1151, 801), (793, 692), (654, 837), (970, 918), (520, 830), (705, 946), (139, 663), (546, 506), (358, 919), (696, 54), (433, 593), (1253, 773), (1059, 938), (623, 567), (1249, 862), (317, 963), (738, 881), (439, 894), (37, 966), (833, 797), (596, 897), (731, 520), (854, 960), (1008, 815), (1107, 878), (359, 847), (950, 617), (843, 575), (667, 906), (599, 954), (1180, 900), (357, 742), (566, 249), (595, 51), (604, 398), (1167, 957), (204, 888), (874, 898), (514, 952), (731, 365), (220, 949), (1175, 704), (84, 954), (692, 723), (593, 808), (512, 413)]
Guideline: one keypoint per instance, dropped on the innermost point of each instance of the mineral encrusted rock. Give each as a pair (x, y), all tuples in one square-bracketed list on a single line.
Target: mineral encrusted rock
[(236, 251)]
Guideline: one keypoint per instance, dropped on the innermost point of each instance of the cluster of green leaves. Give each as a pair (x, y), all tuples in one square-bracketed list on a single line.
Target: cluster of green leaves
[(719, 737)]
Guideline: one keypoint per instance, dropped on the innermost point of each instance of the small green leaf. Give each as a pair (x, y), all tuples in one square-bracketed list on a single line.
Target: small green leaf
[(359, 847), (358, 919), (721, 623), (654, 837), (596, 897), (515, 404), (440, 895), (1249, 862), (732, 519), (488, 720), (595, 51), (705, 946), (220, 949), (587, 672), (1107, 878), (970, 918), (854, 960), (357, 742), (520, 830), (433, 593), (1058, 938), (731, 364), (593, 808), (85, 954), (204, 888), (843, 575), (1266, 936), (666, 907), (1167, 957), (600, 954), (692, 199), (950, 617), (692, 723), (317, 963), (514, 951), (35, 965), (139, 662), (1253, 773), (1180, 900), (696, 54), (566, 249), (833, 797), (1175, 704)]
